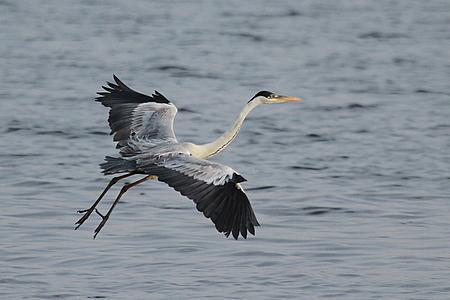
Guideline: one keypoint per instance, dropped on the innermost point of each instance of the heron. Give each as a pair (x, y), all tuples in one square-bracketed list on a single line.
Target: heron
[(142, 126)]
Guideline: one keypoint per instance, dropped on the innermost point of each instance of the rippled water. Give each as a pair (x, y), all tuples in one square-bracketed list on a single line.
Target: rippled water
[(351, 186)]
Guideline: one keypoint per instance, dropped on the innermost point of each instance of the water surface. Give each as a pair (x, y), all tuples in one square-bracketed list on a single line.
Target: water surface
[(351, 186)]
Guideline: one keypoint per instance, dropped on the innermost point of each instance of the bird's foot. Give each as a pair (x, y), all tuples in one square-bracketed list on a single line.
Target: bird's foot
[(87, 213), (102, 223)]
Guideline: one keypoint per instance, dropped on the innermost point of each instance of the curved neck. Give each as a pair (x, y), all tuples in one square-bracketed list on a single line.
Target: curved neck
[(210, 149)]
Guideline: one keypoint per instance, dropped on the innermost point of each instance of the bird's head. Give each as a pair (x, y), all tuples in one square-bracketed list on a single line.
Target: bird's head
[(266, 97)]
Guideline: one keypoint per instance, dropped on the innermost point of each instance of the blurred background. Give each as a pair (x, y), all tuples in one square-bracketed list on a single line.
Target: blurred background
[(351, 186)]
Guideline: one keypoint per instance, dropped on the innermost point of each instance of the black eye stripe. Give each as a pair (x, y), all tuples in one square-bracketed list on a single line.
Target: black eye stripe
[(265, 94)]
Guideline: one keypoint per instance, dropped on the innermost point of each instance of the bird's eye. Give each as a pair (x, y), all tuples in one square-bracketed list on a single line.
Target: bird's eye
[(272, 96)]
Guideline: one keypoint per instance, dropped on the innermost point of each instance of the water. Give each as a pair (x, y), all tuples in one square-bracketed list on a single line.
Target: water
[(351, 186)]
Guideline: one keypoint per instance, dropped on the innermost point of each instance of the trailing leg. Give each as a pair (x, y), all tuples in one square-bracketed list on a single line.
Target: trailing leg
[(88, 212), (122, 191)]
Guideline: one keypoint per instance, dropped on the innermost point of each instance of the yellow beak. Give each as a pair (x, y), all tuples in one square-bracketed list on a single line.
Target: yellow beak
[(289, 99)]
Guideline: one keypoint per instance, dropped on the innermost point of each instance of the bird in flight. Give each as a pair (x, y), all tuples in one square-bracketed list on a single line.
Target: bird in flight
[(142, 126)]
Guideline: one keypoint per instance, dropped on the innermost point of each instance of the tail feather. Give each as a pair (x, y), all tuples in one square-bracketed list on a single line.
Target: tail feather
[(114, 165)]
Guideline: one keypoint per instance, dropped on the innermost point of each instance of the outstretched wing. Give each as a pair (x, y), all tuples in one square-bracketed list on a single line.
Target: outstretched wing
[(135, 115), (215, 188)]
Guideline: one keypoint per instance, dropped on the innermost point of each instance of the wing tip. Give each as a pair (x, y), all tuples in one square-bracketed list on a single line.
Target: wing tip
[(237, 178), (160, 97), (120, 83), (118, 90)]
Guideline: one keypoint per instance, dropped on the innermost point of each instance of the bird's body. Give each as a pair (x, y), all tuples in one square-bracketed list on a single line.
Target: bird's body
[(143, 129)]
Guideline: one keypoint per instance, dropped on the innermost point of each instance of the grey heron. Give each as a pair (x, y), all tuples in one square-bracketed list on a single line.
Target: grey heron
[(142, 126)]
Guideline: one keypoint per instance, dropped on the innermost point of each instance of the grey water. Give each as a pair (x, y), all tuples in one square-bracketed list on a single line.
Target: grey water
[(351, 186)]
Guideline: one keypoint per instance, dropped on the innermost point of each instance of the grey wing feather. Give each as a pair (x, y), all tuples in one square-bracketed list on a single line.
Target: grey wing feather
[(153, 121), (215, 188), (201, 169), (135, 117)]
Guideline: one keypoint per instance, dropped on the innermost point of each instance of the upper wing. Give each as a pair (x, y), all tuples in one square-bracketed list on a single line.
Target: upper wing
[(136, 115), (213, 187)]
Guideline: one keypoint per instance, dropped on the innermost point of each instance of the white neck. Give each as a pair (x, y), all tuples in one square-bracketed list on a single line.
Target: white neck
[(210, 149)]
